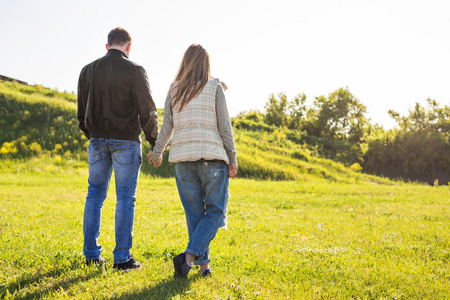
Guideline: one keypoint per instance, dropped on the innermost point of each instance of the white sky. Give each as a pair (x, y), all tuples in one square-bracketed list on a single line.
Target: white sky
[(389, 53)]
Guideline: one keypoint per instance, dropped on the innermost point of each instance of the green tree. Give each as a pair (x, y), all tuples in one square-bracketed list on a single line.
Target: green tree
[(276, 110), (417, 150), (340, 115), (422, 118), (297, 110)]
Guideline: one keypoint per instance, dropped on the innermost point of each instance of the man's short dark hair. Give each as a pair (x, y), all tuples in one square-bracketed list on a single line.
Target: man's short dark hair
[(118, 36)]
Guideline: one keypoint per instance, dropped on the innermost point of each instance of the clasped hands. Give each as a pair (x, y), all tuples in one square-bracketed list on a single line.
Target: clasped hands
[(156, 163)]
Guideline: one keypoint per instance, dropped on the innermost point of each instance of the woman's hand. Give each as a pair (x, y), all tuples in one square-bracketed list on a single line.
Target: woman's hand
[(233, 170), (156, 163)]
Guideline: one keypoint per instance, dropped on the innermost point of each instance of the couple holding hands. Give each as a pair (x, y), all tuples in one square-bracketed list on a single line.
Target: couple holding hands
[(114, 106)]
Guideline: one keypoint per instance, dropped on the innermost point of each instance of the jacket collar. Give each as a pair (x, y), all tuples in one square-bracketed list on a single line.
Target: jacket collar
[(116, 52)]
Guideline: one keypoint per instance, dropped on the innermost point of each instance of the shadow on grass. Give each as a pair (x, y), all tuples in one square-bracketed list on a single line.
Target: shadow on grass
[(28, 283), (41, 284), (166, 289)]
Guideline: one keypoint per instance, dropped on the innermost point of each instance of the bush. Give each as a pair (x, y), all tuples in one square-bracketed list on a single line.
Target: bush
[(356, 167)]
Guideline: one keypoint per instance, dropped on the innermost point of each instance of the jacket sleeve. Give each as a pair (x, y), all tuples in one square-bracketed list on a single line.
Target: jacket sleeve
[(145, 105), (82, 101), (166, 131), (224, 125)]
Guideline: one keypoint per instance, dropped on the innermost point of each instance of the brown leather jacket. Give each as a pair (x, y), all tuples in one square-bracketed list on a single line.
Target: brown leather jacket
[(115, 101)]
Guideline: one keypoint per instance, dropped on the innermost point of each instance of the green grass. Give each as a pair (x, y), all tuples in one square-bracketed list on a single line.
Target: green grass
[(315, 239), (328, 232)]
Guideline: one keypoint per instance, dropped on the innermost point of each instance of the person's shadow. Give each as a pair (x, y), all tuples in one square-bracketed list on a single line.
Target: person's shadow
[(62, 277), (166, 289), (25, 281)]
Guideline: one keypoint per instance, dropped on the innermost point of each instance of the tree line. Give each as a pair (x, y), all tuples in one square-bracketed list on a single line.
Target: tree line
[(336, 127)]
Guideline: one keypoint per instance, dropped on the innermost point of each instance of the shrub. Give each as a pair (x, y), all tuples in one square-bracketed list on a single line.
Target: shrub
[(35, 148), (356, 167), (8, 149)]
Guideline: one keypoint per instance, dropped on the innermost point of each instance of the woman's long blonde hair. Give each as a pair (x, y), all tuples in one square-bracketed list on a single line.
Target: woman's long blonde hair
[(192, 76)]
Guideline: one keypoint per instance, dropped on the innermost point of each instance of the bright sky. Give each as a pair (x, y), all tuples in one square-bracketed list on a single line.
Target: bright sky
[(389, 53)]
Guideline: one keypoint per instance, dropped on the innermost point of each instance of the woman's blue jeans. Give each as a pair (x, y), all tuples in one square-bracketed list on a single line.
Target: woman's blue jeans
[(203, 189), (125, 157)]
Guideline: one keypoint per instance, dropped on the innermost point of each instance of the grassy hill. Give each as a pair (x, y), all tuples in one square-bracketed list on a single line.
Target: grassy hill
[(35, 120), (40, 124)]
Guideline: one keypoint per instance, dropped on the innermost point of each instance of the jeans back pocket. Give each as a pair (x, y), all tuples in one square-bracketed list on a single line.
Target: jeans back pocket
[(94, 153), (124, 153)]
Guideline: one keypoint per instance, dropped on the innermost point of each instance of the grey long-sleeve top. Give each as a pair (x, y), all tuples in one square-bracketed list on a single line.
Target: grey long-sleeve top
[(223, 124)]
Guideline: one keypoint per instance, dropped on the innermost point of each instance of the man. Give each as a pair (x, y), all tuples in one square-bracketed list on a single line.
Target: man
[(114, 106)]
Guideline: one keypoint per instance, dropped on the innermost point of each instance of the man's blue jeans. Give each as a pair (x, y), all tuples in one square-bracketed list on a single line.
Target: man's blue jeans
[(203, 189), (125, 157)]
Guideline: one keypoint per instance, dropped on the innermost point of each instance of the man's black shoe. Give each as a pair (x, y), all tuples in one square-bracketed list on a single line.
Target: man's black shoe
[(130, 265), (99, 261), (180, 265)]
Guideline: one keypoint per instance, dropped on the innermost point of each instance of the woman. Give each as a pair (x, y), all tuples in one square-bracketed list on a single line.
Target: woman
[(203, 151)]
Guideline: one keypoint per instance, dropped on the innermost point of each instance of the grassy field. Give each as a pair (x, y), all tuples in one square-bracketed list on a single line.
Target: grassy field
[(315, 239), (323, 231)]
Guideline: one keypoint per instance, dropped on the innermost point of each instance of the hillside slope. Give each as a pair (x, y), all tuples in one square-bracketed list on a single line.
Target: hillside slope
[(36, 120), (39, 122)]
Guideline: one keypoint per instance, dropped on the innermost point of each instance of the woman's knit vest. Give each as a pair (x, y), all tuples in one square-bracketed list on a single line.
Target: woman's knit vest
[(196, 135)]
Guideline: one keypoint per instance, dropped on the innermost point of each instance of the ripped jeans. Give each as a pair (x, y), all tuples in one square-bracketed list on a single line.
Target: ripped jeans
[(203, 190)]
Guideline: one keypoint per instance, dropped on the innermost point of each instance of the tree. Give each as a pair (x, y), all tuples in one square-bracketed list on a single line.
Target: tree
[(276, 110), (297, 111), (417, 150), (422, 118), (340, 115)]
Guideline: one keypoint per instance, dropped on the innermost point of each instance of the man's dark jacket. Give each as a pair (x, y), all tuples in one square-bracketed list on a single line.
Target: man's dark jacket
[(114, 100)]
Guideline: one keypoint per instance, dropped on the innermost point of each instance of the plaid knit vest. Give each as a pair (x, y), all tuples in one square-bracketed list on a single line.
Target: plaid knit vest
[(196, 134)]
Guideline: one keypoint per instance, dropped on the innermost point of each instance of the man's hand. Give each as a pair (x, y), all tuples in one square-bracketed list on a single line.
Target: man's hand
[(233, 170), (149, 155)]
